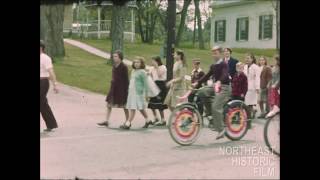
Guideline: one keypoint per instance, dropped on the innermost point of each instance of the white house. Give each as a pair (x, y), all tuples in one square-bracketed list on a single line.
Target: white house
[(244, 24)]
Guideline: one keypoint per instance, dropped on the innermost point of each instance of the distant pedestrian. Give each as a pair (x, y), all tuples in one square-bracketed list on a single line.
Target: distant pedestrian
[(178, 84), (265, 77), (230, 61), (274, 89), (118, 92), (252, 71), (46, 73)]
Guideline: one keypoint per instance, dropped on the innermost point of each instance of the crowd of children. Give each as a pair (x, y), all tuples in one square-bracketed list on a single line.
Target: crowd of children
[(255, 84)]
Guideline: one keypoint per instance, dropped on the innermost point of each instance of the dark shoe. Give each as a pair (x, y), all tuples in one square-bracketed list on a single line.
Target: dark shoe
[(124, 126), (155, 121), (261, 116), (105, 123), (161, 123), (47, 130), (249, 124), (146, 125), (221, 134)]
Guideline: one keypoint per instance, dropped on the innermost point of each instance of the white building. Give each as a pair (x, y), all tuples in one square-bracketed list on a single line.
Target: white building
[(244, 24)]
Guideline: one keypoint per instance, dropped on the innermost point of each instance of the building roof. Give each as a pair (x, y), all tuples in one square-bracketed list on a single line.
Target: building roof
[(225, 4)]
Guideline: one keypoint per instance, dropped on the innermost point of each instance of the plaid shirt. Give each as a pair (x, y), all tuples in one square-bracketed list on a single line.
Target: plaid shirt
[(239, 84)]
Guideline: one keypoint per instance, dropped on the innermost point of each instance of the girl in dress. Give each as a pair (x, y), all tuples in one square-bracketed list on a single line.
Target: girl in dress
[(274, 89), (177, 85), (138, 88), (252, 71), (158, 73)]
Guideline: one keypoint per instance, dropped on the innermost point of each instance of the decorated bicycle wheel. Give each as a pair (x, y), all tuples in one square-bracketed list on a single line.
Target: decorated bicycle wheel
[(236, 121), (184, 124)]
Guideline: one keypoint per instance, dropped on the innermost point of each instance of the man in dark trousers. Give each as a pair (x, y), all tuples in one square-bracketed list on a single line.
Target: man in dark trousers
[(221, 89), (46, 73), (230, 61)]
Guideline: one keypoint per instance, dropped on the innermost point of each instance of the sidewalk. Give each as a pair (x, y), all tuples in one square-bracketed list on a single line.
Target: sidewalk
[(100, 53)]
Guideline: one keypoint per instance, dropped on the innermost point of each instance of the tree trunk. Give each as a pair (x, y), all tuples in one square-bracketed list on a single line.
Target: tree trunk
[(182, 22), (51, 28), (278, 25), (171, 19), (194, 29), (117, 27), (197, 12)]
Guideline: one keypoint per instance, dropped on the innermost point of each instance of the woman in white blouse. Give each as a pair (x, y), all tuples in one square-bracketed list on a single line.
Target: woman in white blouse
[(158, 73), (252, 71), (46, 73)]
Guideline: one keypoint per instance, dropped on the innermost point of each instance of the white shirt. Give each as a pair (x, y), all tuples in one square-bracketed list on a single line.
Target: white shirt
[(45, 65), (159, 74)]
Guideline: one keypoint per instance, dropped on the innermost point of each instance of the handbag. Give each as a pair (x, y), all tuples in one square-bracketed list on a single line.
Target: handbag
[(153, 89)]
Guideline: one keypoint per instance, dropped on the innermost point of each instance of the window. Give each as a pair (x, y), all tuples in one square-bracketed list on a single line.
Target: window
[(265, 27), (242, 29), (220, 31)]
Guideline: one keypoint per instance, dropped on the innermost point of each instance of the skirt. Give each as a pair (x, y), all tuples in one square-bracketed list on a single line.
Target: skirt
[(134, 100), (157, 102), (251, 97), (274, 97), (263, 95)]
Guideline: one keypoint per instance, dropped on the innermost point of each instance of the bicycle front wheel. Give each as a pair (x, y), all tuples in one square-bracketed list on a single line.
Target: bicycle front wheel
[(272, 134), (184, 124)]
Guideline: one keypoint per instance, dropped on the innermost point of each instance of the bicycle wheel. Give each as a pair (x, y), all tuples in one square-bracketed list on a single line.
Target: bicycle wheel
[(184, 124), (272, 134), (236, 121)]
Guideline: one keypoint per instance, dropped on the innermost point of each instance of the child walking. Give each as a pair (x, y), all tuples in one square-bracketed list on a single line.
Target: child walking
[(138, 88), (158, 73), (239, 83)]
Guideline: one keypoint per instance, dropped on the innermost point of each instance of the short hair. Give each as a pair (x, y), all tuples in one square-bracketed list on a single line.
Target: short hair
[(196, 61), (141, 59), (254, 61), (229, 49), (217, 48), (158, 60), (239, 64), (119, 53), (42, 45)]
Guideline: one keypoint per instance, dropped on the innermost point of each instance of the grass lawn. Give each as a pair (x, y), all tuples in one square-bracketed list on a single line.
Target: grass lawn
[(147, 51), (84, 70)]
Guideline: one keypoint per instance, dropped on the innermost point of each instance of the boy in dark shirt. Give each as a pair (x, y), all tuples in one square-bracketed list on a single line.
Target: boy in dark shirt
[(221, 90)]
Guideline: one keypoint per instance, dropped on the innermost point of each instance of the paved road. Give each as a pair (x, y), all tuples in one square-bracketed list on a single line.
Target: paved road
[(80, 148)]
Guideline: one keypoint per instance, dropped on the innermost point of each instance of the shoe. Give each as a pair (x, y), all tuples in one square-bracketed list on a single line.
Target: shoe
[(155, 121), (161, 123), (105, 123), (262, 115), (47, 130), (124, 126), (254, 114), (221, 134), (146, 125), (211, 125)]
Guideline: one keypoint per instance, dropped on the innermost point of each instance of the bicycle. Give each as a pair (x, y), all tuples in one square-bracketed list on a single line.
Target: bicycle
[(271, 134), (185, 121)]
